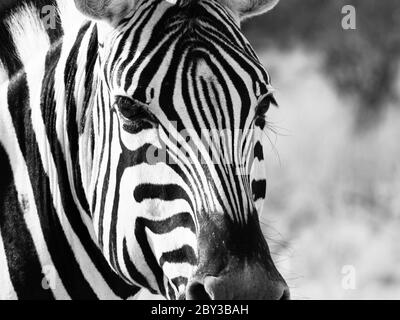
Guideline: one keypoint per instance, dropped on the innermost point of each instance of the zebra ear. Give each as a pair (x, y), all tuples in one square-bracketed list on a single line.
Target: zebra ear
[(249, 8), (108, 10)]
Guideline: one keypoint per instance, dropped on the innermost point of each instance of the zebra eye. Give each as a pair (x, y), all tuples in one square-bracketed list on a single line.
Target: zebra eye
[(264, 105), (131, 109), (135, 115)]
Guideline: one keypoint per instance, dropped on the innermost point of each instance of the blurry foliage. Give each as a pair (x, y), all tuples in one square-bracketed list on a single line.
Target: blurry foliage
[(362, 63), (333, 193)]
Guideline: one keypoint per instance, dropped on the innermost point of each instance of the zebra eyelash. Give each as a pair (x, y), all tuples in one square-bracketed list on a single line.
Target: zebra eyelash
[(135, 115), (131, 109), (264, 105)]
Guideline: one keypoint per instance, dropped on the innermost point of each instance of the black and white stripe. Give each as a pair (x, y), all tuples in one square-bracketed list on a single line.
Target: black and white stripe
[(78, 119)]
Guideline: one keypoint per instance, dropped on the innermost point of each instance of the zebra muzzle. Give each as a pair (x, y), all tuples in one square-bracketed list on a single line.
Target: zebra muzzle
[(235, 264), (252, 283)]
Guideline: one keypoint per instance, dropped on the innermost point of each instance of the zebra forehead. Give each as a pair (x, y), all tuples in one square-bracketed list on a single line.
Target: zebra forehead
[(204, 71)]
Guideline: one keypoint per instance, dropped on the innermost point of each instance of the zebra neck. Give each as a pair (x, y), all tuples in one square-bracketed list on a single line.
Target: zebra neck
[(38, 101), (76, 81), (44, 103)]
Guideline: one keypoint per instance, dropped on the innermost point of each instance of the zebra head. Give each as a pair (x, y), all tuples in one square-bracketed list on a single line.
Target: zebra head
[(177, 179)]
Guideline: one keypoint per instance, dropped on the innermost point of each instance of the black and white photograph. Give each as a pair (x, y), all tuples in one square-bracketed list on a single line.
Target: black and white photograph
[(155, 150)]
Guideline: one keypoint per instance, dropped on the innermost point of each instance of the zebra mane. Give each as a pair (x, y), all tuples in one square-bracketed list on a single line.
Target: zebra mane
[(28, 34), (24, 35)]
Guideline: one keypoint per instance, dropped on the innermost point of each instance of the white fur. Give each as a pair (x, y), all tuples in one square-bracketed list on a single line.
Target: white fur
[(29, 35), (71, 18), (3, 74)]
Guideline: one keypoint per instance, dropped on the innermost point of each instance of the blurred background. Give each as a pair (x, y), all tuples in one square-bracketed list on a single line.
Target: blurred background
[(333, 211)]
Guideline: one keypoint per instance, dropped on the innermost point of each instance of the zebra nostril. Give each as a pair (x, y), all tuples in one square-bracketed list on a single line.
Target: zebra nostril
[(196, 291), (234, 287)]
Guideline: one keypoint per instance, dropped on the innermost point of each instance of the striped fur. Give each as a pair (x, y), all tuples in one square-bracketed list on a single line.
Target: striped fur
[(82, 112)]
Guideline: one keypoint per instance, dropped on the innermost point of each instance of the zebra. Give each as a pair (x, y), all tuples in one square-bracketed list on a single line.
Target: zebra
[(132, 152)]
